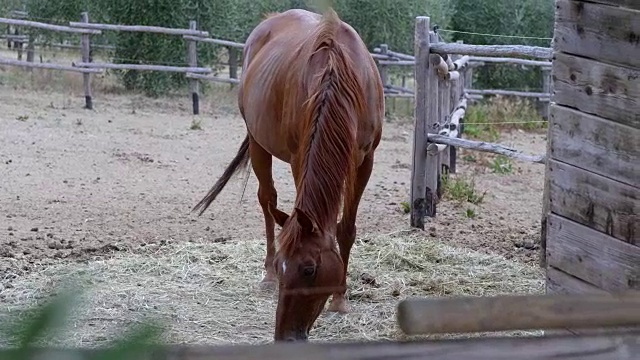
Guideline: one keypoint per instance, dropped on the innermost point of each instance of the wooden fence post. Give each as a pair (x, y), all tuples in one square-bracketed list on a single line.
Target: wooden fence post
[(546, 88), (435, 158), (86, 57), (384, 75), (233, 62), (456, 92), (192, 59), (30, 50), (18, 43), (423, 180)]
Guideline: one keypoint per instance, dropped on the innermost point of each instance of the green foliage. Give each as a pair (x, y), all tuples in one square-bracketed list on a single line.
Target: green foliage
[(32, 326), (462, 190), (377, 21), (485, 121), (530, 18), (502, 165)]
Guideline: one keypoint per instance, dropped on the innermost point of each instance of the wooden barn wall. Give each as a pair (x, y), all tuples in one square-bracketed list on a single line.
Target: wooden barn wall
[(591, 221)]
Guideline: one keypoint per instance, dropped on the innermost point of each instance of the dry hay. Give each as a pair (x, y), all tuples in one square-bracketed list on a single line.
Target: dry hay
[(207, 293)]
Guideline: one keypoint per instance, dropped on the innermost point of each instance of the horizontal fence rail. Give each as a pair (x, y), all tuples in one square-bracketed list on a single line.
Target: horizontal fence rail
[(519, 312), (493, 50), (592, 347), (39, 25), (143, 67), (139, 28)]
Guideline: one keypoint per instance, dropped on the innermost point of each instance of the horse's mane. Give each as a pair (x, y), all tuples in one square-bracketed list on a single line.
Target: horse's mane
[(329, 127)]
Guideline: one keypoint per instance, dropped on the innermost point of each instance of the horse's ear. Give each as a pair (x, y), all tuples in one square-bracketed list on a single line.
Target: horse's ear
[(279, 216), (308, 226)]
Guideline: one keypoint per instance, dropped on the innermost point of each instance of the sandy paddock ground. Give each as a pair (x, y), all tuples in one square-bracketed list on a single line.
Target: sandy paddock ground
[(104, 196)]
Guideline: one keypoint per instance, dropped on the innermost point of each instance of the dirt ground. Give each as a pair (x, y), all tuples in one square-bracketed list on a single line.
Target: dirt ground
[(80, 186), (107, 194)]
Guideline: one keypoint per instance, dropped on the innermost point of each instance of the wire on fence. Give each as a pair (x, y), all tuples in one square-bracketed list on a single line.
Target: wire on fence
[(497, 35), (506, 122)]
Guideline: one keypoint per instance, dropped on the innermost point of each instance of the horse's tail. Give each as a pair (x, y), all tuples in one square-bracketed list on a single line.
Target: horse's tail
[(241, 160), (331, 115)]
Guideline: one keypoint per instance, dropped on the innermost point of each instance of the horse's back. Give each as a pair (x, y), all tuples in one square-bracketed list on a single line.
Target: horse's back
[(271, 54)]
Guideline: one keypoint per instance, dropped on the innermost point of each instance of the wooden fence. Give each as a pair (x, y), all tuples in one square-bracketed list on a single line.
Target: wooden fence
[(384, 57), (591, 204), (441, 99), (86, 66), (387, 58), (606, 316)]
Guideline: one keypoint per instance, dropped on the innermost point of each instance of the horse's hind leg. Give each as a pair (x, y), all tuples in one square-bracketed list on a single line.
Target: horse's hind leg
[(346, 232), (261, 162)]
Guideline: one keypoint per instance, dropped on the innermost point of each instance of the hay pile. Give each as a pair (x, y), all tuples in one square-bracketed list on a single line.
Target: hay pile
[(207, 293)]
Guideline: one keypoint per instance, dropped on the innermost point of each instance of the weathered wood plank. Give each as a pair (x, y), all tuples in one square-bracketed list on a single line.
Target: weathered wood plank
[(592, 256), (420, 199), (608, 91), (485, 147), (559, 282), (468, 314), (595, 347), (597, 145), (606, 33), (595, 201), (50, 27), (139, 28), (49, 66), (630, 4), (517, 51)]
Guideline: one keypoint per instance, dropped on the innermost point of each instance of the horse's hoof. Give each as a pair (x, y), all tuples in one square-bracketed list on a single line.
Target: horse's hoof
[(339, 306)]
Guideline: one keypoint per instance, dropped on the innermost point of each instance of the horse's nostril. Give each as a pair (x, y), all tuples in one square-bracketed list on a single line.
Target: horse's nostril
[(290, 339)]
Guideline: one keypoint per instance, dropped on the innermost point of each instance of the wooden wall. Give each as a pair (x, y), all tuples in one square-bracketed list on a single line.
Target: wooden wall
[(591, 219)]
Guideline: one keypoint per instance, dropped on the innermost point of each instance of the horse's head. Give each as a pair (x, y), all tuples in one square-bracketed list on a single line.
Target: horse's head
[(308, 272)]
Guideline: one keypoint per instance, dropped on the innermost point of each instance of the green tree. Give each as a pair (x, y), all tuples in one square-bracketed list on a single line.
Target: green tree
[(527, 18)]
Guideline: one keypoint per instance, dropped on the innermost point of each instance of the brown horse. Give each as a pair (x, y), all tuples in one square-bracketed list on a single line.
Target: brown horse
[(311, 96)]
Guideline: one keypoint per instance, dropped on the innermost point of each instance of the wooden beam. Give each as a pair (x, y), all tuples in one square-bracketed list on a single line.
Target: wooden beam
[(192, 59), (486, 147), (397, 55), (603, 147), (513, 61), (439, 64), (608, 91), (593, 347), (520, 51), (604, 205), (507, 93), (518, 312), (139, 28), (630, 4), (433, 167), (461, 63), (85, 44), (44, 26), (596, 31), (11, 62), (214, 78), (214, 41), (593, 256), (143, 67), (559, 282), (425, 105), (397, 62)]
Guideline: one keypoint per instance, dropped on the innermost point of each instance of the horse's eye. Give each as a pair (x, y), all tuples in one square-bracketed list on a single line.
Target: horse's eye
[(309, 271)]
